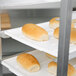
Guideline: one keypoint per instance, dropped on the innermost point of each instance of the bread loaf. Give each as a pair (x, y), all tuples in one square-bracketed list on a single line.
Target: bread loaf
[(52, 68), (28, 62), (35, 32), (55, 22), (72, 37)]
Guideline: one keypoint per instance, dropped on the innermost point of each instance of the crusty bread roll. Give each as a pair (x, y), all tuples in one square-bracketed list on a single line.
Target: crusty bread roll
[(50, 56), (35, 32), (72, 37), (54, 22), (28, 62), (52, 68), (56, 33)]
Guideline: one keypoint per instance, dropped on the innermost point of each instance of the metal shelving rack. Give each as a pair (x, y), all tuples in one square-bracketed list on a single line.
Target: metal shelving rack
[(64, 38)]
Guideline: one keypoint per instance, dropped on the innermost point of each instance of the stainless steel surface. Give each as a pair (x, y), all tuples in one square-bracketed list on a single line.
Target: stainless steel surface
[(1, 57), (0, 42), (38, 6), (0, 51), (64, 37)]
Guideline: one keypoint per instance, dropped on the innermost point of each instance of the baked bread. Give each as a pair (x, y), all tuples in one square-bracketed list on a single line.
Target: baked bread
[(74, 22), (28, 62), (52, 68), (35, 32), (54, 22), (50, 56), (72, 37)]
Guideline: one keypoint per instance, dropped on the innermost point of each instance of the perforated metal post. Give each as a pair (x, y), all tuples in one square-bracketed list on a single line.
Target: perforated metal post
[(64, 37)]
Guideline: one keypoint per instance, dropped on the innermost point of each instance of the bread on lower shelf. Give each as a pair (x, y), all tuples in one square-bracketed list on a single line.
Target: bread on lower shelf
[(72, 37), (52, 68), (35, 32), (29, 62)]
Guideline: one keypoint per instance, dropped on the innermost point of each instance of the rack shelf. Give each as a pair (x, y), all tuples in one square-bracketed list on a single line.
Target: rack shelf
[(19, 71), (21, 4), (50, 46), (31, 4)]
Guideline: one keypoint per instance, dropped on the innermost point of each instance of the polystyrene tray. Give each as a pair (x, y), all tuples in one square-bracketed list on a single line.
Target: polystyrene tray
[(50, 46), (13, 66)]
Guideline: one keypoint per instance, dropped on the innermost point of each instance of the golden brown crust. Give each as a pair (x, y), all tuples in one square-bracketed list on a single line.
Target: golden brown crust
[(55, 22), (27, 60), (72, 37), (71, 69), (35, 32), (56, 33), (52, 64)]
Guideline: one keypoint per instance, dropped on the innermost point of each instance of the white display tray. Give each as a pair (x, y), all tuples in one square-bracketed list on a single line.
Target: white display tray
[(50, 46), (13, 66)]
